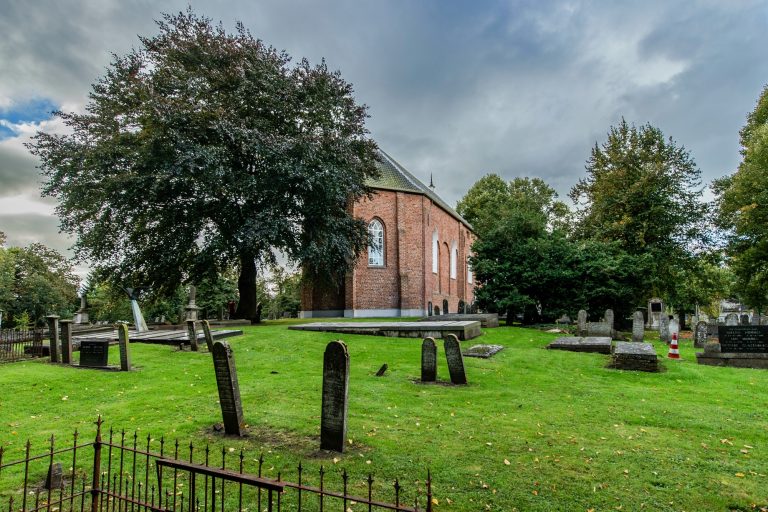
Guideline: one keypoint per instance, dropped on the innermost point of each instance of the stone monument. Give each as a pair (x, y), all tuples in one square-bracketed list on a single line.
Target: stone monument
[(53, 337), (638, 327), (700, 334), (663, 327), (428, 360), (125, 347), (333, 422), (455, 359), (66, 341), (229, 390), (582, 323)]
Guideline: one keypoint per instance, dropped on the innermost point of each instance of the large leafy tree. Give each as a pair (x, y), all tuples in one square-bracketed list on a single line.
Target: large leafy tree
[(204, 149), (643, 192), (742, 200)]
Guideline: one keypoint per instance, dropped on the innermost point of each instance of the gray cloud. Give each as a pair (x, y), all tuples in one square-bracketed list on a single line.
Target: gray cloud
[(456, 89)]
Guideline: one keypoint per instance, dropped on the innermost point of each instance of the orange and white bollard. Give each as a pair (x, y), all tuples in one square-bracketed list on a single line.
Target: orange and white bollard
[(674, 353)]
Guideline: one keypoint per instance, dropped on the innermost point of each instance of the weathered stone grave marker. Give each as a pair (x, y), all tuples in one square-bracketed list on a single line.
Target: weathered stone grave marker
[(634, 356), (192, 335), (582, 323), (333, 422), (382, 370), (125, 347), (731, 319), (744, 319), (608, 318), (700, 335), (53, 337), (229, 389), (599, 330), (638, 327), (207, 333), (428, 360), (455, 359), (664, 334), (66, 341)]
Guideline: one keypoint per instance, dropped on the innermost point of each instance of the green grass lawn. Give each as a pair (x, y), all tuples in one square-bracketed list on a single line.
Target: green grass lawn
[(533, 430)]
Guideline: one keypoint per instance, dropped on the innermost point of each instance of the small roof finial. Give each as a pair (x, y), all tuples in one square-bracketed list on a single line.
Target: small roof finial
[(431, 183)]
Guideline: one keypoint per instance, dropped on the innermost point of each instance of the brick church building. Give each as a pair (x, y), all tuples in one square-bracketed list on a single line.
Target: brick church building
[(418, 263)]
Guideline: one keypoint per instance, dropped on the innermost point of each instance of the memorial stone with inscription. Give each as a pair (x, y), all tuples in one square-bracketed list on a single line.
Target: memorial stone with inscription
[(333, 422), (94, 353), (700, 334), (455, 359), (664, 334), (428, 360), (743, 338), (638, 327), (608, 317), (229, 389), (125, 347), (582, 323)]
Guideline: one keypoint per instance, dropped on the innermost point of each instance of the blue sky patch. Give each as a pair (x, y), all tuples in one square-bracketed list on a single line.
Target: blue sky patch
[(32, 111)]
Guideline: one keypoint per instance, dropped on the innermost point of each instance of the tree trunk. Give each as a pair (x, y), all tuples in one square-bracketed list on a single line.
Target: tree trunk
[(247, 308)]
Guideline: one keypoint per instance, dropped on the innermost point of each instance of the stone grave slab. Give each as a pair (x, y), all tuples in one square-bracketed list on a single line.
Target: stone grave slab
[(599, 345), (483, 351), (740, 346), (638, 327), (486, 319), (635, 356)]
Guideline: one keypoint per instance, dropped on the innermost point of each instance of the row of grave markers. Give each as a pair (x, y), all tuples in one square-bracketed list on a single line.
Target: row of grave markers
[(93, 353)]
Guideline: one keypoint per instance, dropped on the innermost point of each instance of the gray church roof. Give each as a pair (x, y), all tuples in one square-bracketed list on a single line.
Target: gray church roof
[(394, 176)]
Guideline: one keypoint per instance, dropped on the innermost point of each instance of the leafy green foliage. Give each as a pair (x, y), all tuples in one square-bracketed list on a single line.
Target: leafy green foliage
[(203, 150), (742, 200), (36, 281)]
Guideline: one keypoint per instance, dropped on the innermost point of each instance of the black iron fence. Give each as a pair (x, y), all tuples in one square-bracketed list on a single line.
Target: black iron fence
[(17, 345), (121, 473)]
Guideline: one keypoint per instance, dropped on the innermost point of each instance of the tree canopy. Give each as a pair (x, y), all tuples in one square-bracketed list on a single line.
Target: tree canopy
[(204, 150), (742, 200)]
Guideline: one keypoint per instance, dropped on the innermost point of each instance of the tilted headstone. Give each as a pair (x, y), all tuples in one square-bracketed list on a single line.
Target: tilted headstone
[(229, 390), (455, 359), (608, 318), (744, 319), (664, 334), (66, 341), (700, 335), (638, 326), (731, 319), (333, 422), (53, 337), (125, 347), (712, 326), (582, 323), (428, 360), (192, 335), (207, 333)]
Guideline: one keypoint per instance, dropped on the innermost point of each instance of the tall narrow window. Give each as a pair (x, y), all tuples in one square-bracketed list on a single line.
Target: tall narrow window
[(435, 252), (376, 249), (454, 258)]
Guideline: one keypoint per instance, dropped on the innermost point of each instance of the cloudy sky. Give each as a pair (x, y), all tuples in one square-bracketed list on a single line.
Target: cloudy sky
[(455, 88)]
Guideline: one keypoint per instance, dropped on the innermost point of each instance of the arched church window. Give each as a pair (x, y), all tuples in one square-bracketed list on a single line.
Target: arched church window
[(454, 259), (435, 252), (376, 249)]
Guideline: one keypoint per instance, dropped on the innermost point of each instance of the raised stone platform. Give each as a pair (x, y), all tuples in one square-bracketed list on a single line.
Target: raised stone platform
[(600, 345), (713, 357), (482, 351), (462, 330), (634, 356), (486, 319), (162, 337)]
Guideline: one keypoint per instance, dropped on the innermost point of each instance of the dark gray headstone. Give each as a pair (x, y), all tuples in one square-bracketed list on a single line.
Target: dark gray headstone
[(664, 334), (582, 323), (608, 317), (53, 336), (55, 477), (700, 334), (428, 360), (125, 347), (429, 308), (66, 341), (382, 370), (743, 338), (333, 423), (731, 319), (229, 390), (94, 353), (744, 319), (638, 327), (192, 335), (208, 335), (455, 359)]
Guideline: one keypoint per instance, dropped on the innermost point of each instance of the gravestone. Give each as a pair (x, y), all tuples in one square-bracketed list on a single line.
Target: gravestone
[(744, 319), (229, 390), (192, 335), (455, 359), (53, 337), (125, 347), (755, 318), (55, 477), (333, 423), (700, 335), (599, 330), (428, 360), (664, 334), (445, 306), (600, 345), (638, 327), (66, 341), (207, 333), (94, 353), (655, 313), (608, 318), (582, 323), (743, 339), (731, 319)]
